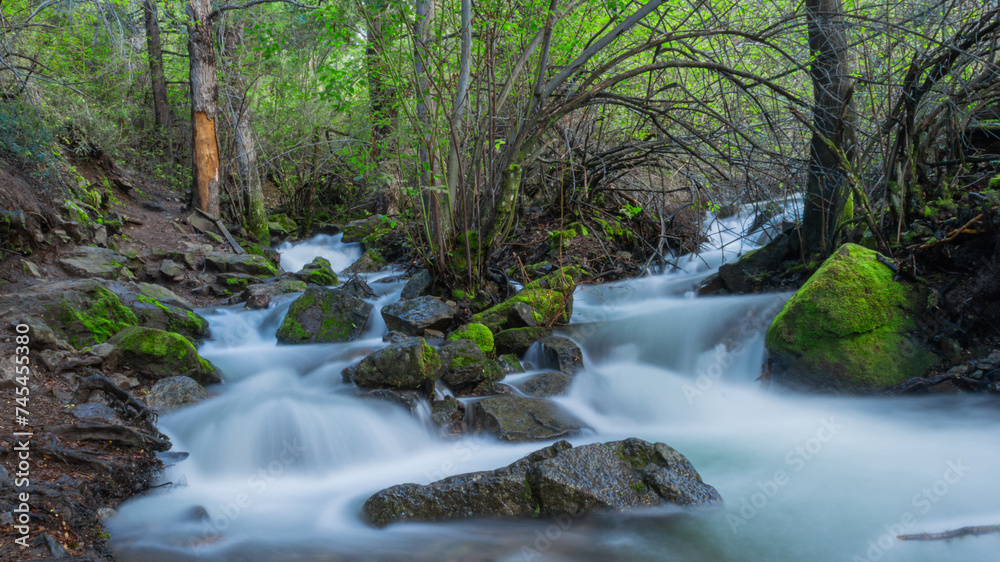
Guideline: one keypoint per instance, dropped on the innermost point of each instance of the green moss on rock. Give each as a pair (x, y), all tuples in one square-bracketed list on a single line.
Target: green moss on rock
[(847, 328), (477, 334), (103, 317), (160, 354), (553, 306)]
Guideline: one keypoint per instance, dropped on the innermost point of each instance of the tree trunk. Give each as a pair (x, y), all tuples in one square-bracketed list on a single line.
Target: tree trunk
[(204, 108), (381, 94), (435, 214), (161, 110), (461, 102), (833, 118), (246, 150)]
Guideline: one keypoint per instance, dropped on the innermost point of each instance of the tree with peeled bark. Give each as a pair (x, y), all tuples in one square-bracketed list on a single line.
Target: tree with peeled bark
[(204, 107), (833, 140)]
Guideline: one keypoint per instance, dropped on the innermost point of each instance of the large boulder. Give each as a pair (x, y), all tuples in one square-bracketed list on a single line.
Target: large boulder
[(467, 370), (279, 287), (167, 314), (416, 315), (416, 285), (559, 480), (544, 385), (250, 264), (157, 354), (81, 312), (88, 261), (409, 364), (552, 306), (323, 315), (561, 353), (847, 329), (369, 262), (517, 419)]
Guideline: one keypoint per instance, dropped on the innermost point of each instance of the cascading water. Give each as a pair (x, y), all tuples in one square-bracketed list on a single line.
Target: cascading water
[(283, 458)]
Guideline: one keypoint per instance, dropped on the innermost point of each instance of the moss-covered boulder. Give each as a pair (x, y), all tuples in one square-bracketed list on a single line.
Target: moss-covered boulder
[(557, 481), (553, 306), (82, 312), (324, 315), (416, 315), (466, 369), (409, 364), (369, 228), (563, 279), (517, 340), (477, 334), (318, 272), (281, 225), (157, 354), (282, 286), (164, 295), (517, 419), (249, 264), (847, 329)]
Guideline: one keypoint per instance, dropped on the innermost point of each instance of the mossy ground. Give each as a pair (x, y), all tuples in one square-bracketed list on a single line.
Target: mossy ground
[(105, 317)]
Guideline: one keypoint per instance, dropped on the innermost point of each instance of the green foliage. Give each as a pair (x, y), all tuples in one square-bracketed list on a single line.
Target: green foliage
[(24, 136), (631, 211)]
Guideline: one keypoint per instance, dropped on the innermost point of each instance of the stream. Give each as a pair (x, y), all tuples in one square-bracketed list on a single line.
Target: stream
[(282, 459)]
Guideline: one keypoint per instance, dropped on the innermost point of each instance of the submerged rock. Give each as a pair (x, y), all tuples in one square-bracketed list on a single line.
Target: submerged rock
[(409, 364), (559, 480), (544, 385), (157, 355), (369, 262), (517, 419), (561, 353), (847, 329), (323, 315), (416, 315)]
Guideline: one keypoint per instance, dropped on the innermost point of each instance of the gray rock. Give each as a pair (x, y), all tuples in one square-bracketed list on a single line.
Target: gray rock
[(318, 272), (467, 370), (544, 385), (517, 419), (167, 315), (410, 364), (164, 295), (559, 480), (416, 315), (516, 341), (449, 415), (156, 354), (249, 264), (370, 262), (95, 411), (510, 364), (324, 315), (261, 290), (417, 285), (561, 353), (88, 261), (522, 315), (172, 270)]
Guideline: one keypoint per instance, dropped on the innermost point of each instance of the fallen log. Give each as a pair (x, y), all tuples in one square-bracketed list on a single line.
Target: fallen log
[(952, 534)]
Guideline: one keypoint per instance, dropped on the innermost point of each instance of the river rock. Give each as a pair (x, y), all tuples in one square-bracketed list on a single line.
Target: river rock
[(318, 272), (561, 353), (416, 315), (81, 312), (324, 315), (553, 306), (88, 261), (559, 480), (522, 315), (847, 329), (174, 392), (250, 264), (369, 262), (517, 419), (477, 334), (517, 340), (449, 415), (164, 295), (357, 231), (466, 369), (417, 285), (409, 364), (544, 385), (282, 286), (157, 354)]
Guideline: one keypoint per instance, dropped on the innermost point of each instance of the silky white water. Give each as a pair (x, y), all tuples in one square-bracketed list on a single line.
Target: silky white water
[(282, 459)]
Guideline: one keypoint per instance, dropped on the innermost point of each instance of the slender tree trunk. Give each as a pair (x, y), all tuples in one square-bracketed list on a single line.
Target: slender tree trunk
[(204, 108), (461, 102), (382, 102), (161, 110), (246, 150), (435, 211), (827, 189)]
